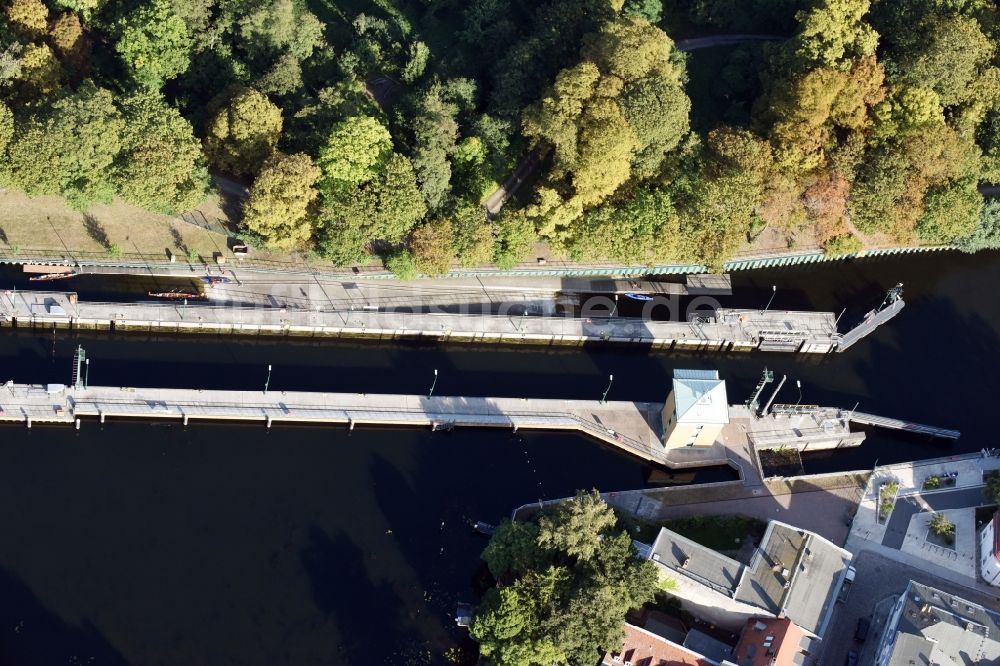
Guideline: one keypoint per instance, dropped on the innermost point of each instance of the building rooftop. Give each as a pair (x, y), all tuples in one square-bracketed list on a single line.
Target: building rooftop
[(704, 565), (797, 573), (939, 628), (793, 573), (706, 645), (700, 397), (767, 641), (644, 648)]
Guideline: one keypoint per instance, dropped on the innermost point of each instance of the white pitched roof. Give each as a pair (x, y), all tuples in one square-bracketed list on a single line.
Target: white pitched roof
[(700, 397)]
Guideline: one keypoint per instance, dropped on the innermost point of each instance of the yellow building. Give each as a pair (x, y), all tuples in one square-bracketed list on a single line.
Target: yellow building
[(696, 409)]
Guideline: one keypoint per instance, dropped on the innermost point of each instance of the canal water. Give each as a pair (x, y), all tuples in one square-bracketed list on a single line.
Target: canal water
[(140, 544)]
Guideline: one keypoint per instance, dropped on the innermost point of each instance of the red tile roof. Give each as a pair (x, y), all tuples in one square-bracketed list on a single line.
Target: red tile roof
[(767, 641), (644, 648)]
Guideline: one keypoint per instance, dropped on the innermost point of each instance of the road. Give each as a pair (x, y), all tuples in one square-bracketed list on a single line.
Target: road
[(907, 507), (879, 582), (708, 42)]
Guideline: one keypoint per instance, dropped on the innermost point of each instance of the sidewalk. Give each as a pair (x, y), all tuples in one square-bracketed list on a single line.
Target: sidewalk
[(903, 535)]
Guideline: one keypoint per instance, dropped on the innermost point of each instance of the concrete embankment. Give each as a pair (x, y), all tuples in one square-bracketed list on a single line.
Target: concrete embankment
[(727, 330)]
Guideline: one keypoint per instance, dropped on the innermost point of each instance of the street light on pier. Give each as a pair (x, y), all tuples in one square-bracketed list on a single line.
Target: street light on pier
[(604, 398), (267, 382), (615, 308), (520, 325), (430, 394), (86, 374), (799, 384), (774, 290)]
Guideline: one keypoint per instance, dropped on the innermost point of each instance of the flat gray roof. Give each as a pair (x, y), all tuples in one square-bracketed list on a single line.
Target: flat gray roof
[(964, 632), (712, 648), (704, 565), (794, 572), (797, 573)]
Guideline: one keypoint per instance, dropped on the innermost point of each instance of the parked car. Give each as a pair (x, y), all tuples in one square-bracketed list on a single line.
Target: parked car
[(861, 633), (852, 658)]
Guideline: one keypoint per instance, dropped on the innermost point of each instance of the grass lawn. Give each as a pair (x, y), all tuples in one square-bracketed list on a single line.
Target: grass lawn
[(45, 225), (724, 533)]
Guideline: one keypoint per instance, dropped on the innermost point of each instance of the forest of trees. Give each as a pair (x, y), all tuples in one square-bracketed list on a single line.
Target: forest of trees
[(377, 127)]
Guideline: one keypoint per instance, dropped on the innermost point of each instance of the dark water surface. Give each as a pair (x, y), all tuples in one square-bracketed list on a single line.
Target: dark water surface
[(154, 544)]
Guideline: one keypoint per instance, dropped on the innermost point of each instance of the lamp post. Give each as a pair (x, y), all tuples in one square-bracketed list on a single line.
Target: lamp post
[(520, 325), (774, 290), (604, 398), (267, 382), (430, 394), (799, 384), (86, 373), (615, 308)]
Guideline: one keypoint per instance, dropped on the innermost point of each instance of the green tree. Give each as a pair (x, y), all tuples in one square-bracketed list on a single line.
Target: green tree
[(432, 245), (948, 60), (513, 549), (69, 148), (473, 234), (942, 527), (417, 63), (515, 236), (570, 591), (987, 233), (280, 206), (243, 133), (84, 8), (29, 18), (154, 43), (647, 10), (402, 264), (657, 110), (642, 229), (833, 32), (992, 490), (632, 49), (6, 127), (161, 166), (355, 151), (576, 527), (950, 211), (385, 209), (843, 244)]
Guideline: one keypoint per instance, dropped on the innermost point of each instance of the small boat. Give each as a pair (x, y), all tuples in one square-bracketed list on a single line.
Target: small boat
[(176, 294), (51, 276), (638, 297), (484, 528), (212, 280)]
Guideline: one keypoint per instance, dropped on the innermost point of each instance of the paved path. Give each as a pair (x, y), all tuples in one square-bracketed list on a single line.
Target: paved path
[(528, 165), (696, 43), (823, 511), (907, 507)]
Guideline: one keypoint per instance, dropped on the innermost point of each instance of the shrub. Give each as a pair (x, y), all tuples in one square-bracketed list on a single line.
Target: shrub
[(843, 244), (402, 264)]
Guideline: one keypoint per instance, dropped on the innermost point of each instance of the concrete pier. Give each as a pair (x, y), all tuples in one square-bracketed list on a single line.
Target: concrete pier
[(632, 427), (725, 330)]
